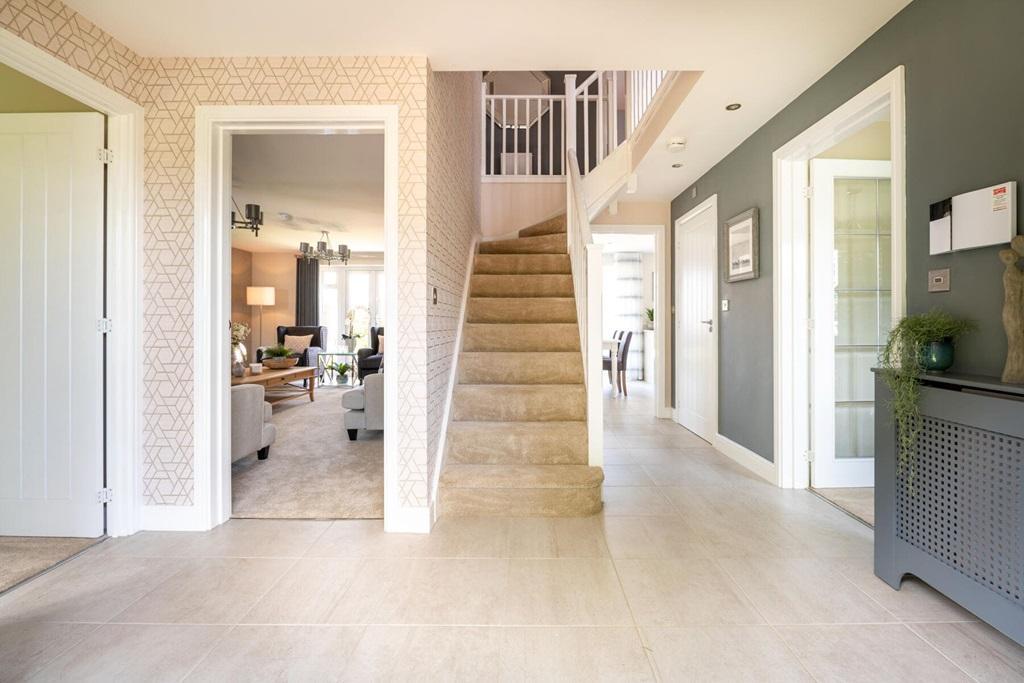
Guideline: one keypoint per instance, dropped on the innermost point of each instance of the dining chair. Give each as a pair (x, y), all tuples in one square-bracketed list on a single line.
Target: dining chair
[(623, 356)]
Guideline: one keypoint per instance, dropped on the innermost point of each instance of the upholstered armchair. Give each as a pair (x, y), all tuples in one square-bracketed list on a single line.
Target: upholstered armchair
[(368, 361), (364, 406), (310, 357), (251, 429)]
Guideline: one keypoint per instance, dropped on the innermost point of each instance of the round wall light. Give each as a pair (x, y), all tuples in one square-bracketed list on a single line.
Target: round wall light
[(677, 165)]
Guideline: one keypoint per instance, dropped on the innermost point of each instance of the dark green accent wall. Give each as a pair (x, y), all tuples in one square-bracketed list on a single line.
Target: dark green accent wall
[(964, 64)]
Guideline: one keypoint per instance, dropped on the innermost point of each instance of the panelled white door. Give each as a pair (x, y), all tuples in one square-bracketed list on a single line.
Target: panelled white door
[(696, 246), (851, 306), (51, 279)]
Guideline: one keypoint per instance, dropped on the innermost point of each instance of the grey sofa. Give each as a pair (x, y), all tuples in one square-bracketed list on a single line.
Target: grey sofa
[(251, 429), (364, 405)]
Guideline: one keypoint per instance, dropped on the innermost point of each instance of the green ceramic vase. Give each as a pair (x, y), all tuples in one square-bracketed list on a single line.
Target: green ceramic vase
[(937, 356)]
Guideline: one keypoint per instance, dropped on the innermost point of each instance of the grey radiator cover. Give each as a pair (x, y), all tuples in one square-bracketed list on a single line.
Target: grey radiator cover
[(955, 517)]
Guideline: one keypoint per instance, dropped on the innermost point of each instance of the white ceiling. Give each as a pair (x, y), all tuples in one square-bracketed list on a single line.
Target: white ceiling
[(632, 242), (325, 182), (758, 52)]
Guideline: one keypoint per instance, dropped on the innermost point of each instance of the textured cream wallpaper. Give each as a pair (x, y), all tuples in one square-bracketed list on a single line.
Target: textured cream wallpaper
[(453, 210), (169, 90)]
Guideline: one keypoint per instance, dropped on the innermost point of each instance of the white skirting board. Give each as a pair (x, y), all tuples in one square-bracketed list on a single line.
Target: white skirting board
[(746, 457)]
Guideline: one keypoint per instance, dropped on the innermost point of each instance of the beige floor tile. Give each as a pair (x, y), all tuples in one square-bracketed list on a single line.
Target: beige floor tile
[(723, 653), (143, 544), (743, 535), (561, 653), (135, 652), (830, 533), (914, 601), (307, 593), (802, 591), (684, 472), (635, 500), (208, 591), (564, 592), (654, 456), (27, 646), (359, 538), (693, 592), (280, 653), (652, 537), (87, 589), (255, 538), (980, 650), (451, 591), (868, 653), (425, 653), (618, 456), (626, 475), (378, 583), (481, 537), (543, 537)]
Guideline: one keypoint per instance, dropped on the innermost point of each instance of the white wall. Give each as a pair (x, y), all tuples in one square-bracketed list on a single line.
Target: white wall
[(507, 207)]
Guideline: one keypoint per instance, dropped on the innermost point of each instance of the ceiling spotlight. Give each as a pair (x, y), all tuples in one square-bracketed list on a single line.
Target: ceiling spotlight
[(733, 107), (677, 165), (286, 217)]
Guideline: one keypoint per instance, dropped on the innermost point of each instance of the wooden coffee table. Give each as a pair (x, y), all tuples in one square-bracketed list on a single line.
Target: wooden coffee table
[(280, 382)]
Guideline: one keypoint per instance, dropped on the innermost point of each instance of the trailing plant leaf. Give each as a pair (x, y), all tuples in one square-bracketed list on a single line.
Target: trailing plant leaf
[(902, 363)]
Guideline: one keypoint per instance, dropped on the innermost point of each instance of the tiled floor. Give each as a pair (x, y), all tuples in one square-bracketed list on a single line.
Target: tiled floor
[(696, 570), (859, 502)]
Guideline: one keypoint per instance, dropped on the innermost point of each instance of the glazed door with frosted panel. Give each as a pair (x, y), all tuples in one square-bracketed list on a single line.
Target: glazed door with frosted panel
[(851, 304)]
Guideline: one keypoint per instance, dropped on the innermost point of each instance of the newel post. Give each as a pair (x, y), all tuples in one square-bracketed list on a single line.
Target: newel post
[(570, 116)]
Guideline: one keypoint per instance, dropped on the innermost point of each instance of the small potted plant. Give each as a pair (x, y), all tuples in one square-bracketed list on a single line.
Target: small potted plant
[(649, 318), (279, 357), (918, 344)]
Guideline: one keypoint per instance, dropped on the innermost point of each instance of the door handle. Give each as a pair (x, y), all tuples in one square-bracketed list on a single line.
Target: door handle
[(710, 324)]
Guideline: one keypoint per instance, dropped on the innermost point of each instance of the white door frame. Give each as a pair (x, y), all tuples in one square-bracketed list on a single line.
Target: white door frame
[(790, 249), (124, 269), (662, 308), (215, 126), (709, 204)]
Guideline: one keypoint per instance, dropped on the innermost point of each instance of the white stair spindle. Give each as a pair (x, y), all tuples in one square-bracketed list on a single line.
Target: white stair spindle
[(551, 137), (515, 138)]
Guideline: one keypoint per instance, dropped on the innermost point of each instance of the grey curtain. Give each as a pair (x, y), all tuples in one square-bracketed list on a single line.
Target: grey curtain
[(307, 292)]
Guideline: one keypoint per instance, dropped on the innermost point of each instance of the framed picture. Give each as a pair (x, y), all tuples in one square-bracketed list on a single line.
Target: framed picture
[(742, 247)]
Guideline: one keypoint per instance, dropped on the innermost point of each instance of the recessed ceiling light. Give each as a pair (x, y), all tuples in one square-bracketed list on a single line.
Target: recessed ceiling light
[(733, 107), (677, 165)]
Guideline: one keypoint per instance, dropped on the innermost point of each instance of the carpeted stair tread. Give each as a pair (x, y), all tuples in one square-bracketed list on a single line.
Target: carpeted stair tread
[(541, 244), (497, 443), (521, 285), (511, 310), (518, 402), (552, 226), (522, 477), (521, 337), (520, 367), (522, 264)]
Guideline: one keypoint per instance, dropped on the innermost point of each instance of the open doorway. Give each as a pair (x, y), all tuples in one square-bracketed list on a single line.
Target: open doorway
[(308, 293), (840, 244), (53, 280)]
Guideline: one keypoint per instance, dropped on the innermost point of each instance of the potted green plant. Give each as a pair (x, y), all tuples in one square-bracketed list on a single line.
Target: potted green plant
[(338, 371), (918, 344), (279, 357), (649, 322)]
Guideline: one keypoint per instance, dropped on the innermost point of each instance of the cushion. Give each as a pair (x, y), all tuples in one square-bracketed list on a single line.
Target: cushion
[(354, 399), (380, 344), (297, 344)]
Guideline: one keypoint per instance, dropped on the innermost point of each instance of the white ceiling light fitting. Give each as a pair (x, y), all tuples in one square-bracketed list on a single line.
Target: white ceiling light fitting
[(324, 252), (677, 145)]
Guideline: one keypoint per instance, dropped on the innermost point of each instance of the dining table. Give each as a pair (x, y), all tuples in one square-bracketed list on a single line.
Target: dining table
[(612, 345)]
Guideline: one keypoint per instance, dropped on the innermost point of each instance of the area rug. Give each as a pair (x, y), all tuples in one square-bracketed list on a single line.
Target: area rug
[(22, 557), (314, 471)]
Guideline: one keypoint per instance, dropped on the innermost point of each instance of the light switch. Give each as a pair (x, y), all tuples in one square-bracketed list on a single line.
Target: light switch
[(725, 304), (938, 280)]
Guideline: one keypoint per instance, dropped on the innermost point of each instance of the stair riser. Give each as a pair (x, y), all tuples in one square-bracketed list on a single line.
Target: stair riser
[(503, 403), (520, 368), (552, 226), (506, 286), (545, 244), (522, 338), (522, 264), (520, 502), (531, 310), (511, 443)]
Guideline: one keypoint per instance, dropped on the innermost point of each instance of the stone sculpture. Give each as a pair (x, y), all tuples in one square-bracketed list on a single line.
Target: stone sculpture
[(1013, 311)]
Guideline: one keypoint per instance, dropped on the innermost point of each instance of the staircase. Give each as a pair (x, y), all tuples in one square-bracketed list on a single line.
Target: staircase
[(517, 440)]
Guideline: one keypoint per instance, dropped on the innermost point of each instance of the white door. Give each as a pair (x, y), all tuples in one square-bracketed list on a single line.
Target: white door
[(851, 305), (696, 321), (51, 277)]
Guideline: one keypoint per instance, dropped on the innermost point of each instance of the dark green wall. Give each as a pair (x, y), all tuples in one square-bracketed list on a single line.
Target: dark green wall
[(965, 130)]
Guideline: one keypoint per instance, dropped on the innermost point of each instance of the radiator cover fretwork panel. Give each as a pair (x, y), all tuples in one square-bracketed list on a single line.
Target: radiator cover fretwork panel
[(961, 501)]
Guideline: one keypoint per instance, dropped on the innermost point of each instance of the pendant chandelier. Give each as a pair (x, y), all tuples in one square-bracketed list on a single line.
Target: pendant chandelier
[(253, 218), (323, 251)]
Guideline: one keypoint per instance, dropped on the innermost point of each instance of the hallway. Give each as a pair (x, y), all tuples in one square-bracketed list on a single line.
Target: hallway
[(695, 570)]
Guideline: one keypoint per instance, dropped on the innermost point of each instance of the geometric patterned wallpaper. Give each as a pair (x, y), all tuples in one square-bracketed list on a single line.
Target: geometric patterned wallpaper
[(169, 89), (453, 210)]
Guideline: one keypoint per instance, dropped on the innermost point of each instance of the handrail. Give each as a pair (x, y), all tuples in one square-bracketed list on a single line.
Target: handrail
[(585, 257)]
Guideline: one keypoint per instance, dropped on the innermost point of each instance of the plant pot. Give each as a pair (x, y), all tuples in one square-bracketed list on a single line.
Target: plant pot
[(937, 356), (281, 363)]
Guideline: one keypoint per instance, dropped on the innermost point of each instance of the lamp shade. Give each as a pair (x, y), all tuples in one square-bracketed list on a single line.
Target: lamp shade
[(259, 296)]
